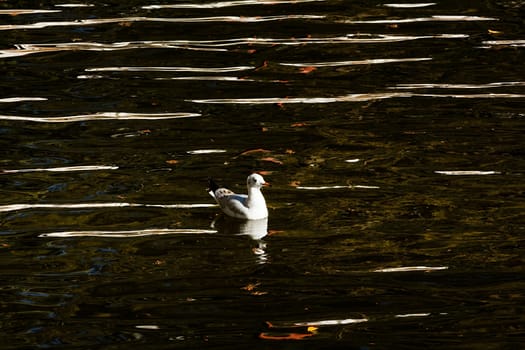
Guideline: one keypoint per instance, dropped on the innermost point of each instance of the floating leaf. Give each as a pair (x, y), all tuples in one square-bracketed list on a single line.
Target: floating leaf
[(272, 160), (288, 336), (251, 286), (494, 32), (172, 161), (255, 150), (307, 70), (298, 125)]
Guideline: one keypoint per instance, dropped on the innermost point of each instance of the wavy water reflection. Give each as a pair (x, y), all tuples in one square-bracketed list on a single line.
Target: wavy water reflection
[(61, 169), (436, 18), (349, 98), (99, 21), (126, 234), (16, 12), (101, 116), (75, 206), (172, 69), (458, 86), (22, 99), (219, 44), (222, 4), (357, 62), (410, 5)]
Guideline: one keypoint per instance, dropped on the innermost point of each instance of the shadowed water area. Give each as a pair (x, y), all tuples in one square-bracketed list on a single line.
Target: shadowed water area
[(392, 134)]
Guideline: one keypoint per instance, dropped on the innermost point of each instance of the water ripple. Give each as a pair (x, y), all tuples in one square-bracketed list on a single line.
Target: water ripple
[(467, 172), (347, 98), (220, 44), (102, 116), (16, 12), (408, 5), (126, 234), (26, 206), (21, 99), (173, 69), (413, 269), (458, 86), (222, 4), (503, 43), (84, 22), (357, 62), (61, 169), (437, 18)]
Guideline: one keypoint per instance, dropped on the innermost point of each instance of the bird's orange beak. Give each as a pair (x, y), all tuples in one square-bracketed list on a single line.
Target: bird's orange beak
[(266, 184)]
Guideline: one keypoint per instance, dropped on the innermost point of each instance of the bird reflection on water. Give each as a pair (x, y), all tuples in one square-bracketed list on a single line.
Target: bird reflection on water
[(255, 229)]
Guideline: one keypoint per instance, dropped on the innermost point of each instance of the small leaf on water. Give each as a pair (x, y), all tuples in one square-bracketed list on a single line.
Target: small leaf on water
[(272, 160), (172, 161), (251, 286), (256, 150), (494, 32), (298, 125), (287, 336), (307, 70)]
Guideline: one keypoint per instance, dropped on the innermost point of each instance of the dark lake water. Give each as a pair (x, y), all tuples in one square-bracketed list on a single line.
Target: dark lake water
[(392, 134)]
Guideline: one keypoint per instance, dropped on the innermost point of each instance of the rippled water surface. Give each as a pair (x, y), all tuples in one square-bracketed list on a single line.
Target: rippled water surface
[(392, 134)]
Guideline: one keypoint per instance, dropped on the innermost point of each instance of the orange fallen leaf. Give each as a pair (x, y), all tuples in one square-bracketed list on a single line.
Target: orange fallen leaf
[(272, 160), (295, 183), (264, 172), (255, 150), (288, 336), (251, 286), (306, 70), (172, 161), (289, 151), (274, 232), (312, 329), (298, 125)]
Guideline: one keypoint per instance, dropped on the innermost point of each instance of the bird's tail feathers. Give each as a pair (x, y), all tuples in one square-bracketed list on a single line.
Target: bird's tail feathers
[(212, 187)]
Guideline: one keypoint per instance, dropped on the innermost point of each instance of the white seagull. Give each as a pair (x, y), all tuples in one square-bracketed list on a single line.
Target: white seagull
[(241, 206)]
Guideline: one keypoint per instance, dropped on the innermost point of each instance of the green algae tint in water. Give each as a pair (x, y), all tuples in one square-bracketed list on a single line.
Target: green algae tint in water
[(391, 133)]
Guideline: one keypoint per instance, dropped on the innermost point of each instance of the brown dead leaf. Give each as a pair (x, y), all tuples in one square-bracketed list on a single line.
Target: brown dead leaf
[(287, 336), (172, 161), (289, 151), (255, 150), (250, 287), (295, 183), (272, 160), (307, 70), (298, 125)]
